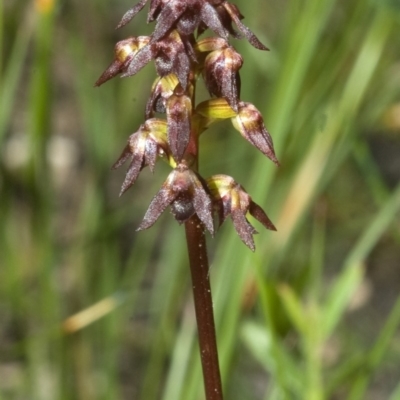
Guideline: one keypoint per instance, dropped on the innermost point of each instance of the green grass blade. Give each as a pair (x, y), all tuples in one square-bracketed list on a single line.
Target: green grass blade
[(375, 356), (12, 70), (340, 295), (396, 393), (260, 343), (378, 226)]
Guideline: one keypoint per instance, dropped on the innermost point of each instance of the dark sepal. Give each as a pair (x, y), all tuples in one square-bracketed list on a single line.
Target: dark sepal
[(185, 193), (130, 14), (250, 123), (141, 59), (179, 112), (247, 33), (243, 228), (221, 75)]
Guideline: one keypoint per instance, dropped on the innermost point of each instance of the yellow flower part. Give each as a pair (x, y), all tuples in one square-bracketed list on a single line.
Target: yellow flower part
[(44, 6)]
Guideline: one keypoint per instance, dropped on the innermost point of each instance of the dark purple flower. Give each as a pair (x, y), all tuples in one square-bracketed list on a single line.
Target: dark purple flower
[(185, 192)]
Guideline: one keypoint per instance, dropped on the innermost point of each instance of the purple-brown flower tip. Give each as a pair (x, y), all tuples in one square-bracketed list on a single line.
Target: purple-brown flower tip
[(186, 16), (143, 148), (179, 112), (234, 13), (249, 122), (221, 74), (230, 198), (186, 194), (131, 13), (124, 50), (225, 19)]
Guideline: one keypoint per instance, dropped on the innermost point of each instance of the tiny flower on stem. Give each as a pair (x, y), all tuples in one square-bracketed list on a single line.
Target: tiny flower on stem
[(250, 123), (230, 198), (171, 55), (124, 51), (185, 192), (144, 146)]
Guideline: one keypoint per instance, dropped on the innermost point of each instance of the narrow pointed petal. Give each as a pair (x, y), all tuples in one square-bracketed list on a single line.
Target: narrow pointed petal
[(243, 228), (229, 90), (157, 206), (249, 122), (211, 18), (168, 17), (258, 213), (151, 154), (263, 142), (113, 70), (133, 172), (125, 155), (248, 34), (141, 59), (182, 69), (130, 14), (203, 207), (151, 16)]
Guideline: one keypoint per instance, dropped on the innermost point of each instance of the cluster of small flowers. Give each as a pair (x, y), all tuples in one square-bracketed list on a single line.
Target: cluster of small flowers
[(181, 57)]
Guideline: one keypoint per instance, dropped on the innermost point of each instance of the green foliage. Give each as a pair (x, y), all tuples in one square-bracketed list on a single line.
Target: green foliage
[(285, 316)]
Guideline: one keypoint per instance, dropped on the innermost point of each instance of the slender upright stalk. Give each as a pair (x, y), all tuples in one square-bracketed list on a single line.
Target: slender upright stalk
[(199, 268), (181, 57)]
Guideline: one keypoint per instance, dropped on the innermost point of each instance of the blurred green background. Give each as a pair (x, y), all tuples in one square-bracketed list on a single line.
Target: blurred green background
[(92, 310)]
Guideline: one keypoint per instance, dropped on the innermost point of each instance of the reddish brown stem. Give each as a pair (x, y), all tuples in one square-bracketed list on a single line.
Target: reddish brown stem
[(204, 308)]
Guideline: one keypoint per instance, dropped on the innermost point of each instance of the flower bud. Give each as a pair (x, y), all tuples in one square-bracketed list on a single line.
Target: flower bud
[(230, 198), (185, 193), (124, 51), (249, 122), (221, 75), (144, 146)]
